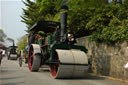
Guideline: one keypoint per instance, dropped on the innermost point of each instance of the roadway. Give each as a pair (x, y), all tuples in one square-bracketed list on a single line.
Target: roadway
[(12, 74)]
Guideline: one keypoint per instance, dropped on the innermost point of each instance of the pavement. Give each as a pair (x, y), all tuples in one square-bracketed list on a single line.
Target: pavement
[(12, 74)]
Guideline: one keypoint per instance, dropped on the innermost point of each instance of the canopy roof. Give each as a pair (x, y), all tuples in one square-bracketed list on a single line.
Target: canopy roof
[(46, 26), (12, 47)]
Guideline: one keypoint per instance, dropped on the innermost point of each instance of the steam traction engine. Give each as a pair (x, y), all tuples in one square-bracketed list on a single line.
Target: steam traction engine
[(55, 47), (12, 54)]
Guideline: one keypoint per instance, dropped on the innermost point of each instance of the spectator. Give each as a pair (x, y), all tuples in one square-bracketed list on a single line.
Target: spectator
[(126, 66)]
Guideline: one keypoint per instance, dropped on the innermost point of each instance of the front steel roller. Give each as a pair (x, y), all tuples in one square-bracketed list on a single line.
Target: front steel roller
[(73, 64), (34, 58)]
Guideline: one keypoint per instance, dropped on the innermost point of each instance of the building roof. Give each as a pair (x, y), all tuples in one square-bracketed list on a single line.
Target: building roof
[(3, 47)]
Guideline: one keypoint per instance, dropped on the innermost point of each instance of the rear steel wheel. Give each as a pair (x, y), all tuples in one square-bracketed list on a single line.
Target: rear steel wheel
[(34, 60)]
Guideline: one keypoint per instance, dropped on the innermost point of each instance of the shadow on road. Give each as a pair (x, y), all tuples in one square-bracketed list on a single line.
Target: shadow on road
[(87, 77), (13, 83), (4, 71), (8, 78)]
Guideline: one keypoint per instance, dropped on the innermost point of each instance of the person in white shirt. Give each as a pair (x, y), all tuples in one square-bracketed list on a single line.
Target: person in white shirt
[(126, 66)]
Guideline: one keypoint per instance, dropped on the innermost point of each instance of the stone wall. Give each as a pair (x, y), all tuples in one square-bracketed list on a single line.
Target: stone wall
[(108, 60)]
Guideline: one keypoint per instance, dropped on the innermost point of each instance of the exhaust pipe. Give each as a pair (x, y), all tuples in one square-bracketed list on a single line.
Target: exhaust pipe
[(63, 21)]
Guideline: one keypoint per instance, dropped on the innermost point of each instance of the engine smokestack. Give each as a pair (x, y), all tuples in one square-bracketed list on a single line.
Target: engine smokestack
[(63, 21)]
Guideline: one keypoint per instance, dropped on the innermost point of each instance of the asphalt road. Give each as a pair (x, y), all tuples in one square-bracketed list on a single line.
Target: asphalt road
[(12, 74)]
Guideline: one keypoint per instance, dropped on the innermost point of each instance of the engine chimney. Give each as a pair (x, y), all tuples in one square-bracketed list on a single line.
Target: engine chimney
[(63, 21)]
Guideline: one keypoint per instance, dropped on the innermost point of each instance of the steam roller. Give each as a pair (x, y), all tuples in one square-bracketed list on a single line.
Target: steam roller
[(50, 44), (73, 63)]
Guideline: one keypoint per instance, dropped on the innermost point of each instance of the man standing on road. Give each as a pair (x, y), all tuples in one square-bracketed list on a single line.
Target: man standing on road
[(0, 56)]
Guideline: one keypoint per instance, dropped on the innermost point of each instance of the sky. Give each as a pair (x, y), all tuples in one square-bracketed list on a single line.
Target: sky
[(10, 20)]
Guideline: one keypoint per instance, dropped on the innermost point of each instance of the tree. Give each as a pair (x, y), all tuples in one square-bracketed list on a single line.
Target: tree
[(105, 1), (81, 12), (39, 10), (22, 43), (2, 35), (31, 14), (95, 18), (114, 2), (117, 2), (125, 4), (120, 1)]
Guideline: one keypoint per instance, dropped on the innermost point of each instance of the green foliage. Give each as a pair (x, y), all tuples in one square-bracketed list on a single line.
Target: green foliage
[(22, 43), (40, 10), (77, 22), (47, 6), (2, 35), (101, 21), (109, 25), (125, 4), (81, 11), (31, 14)]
